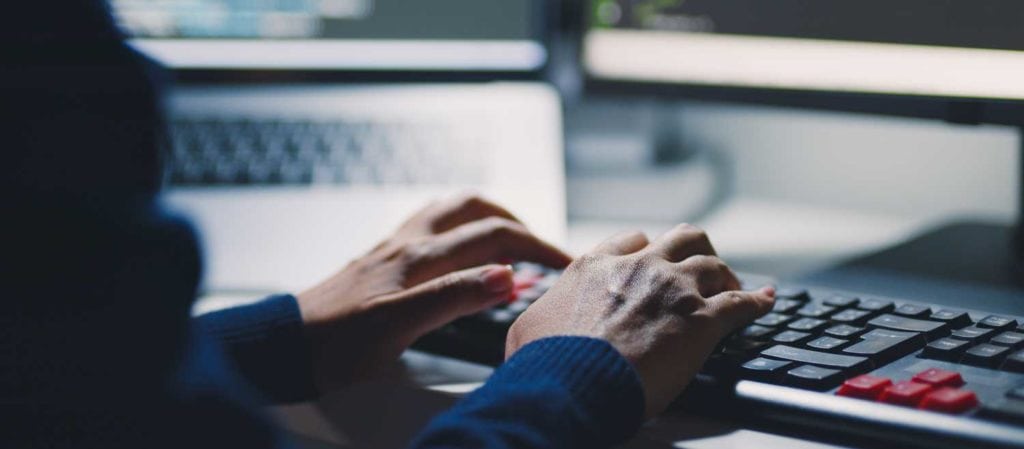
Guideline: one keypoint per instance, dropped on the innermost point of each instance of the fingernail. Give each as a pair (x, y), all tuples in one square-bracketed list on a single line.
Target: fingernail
[(497, 280), (768, 290)]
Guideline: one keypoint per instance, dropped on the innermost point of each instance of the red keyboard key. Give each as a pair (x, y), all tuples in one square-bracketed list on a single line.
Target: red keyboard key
[(939, 378), (905, 392), (864, 387), (523, 284), (949, 400)]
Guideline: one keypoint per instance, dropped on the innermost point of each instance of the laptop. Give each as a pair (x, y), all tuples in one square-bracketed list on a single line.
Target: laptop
[(302, 133)]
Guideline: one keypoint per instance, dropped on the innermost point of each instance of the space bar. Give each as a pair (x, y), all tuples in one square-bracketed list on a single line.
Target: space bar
[(815, 357)]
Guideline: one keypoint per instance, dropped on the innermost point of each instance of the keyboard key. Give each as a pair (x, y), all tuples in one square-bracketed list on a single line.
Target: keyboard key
[(882, 346), (876, 305), (973, 334), (817, 358), (1016, 393), (794, 293), (948, 349), (852, 316), (756, 332), (827, 343), (764, 369), (949, 400), (1011, 410), (887, 334), (786, 305), (844, 331), (808, 325), (906, 393), (998, 322), (1015, 362), (815, 311), (1008, 339), (791, 337), (499, 316), (987, 355), (841, 301), (912, 310), (864, 386), (814, 377), (939, 378), (954, 318), (931, 329), (773, 320)]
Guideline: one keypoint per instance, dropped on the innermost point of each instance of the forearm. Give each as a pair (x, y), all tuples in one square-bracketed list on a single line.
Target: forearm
[(561, 392), (266, 343)]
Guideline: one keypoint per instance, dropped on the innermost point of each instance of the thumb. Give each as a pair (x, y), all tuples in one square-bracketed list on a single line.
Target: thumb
[(736, 309), (439, 301)]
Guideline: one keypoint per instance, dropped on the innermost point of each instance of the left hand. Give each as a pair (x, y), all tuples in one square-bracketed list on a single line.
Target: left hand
[(439, 266)]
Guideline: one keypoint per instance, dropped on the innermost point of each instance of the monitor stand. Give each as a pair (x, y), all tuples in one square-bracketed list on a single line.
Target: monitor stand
[(956, 264)]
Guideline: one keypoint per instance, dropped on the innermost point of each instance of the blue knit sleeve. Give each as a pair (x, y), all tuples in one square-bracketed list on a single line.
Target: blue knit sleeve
[(560, 392), (267, 345)]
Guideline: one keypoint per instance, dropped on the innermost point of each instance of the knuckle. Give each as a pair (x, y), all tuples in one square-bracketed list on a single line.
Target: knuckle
[(414, 251), (635, 234), (698, 262), (586, 261), (688, 228), (688, 303), (693, 232)]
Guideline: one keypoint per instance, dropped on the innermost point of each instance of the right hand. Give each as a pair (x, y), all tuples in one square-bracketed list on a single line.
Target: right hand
[(663, 305)]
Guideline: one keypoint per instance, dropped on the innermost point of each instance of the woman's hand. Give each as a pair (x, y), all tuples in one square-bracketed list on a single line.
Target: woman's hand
[(440, 265), (663, 305)]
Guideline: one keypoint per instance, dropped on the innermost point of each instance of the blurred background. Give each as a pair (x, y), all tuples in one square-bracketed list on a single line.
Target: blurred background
[(782, 190)]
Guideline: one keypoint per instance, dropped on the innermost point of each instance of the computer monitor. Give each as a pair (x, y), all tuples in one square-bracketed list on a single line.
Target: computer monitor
[(955, 60), (961, 60), (338, 35)]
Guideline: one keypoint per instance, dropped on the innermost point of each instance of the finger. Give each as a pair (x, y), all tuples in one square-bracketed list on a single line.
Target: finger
[(682, 241), (735, 309), (711, 275), (482, 242), (463, 209), (435, 303), (623, 244)]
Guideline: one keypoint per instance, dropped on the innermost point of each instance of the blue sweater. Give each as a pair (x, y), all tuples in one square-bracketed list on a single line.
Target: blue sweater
[(561, 392)]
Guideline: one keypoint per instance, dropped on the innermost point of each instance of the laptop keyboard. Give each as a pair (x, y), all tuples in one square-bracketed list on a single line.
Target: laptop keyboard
[(219, 152), (891, 352)]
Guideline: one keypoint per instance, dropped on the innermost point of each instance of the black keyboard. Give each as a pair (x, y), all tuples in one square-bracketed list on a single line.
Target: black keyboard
[(215, 151), (866, 368)]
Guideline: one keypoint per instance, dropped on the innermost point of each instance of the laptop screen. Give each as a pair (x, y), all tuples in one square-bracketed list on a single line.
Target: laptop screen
[(435, 35)]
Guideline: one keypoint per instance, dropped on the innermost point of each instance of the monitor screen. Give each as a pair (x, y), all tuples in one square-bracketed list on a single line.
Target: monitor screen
[(932, 48), (463, 35)]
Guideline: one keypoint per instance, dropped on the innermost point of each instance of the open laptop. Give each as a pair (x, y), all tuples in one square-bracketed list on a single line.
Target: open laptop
[(290, 179)]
